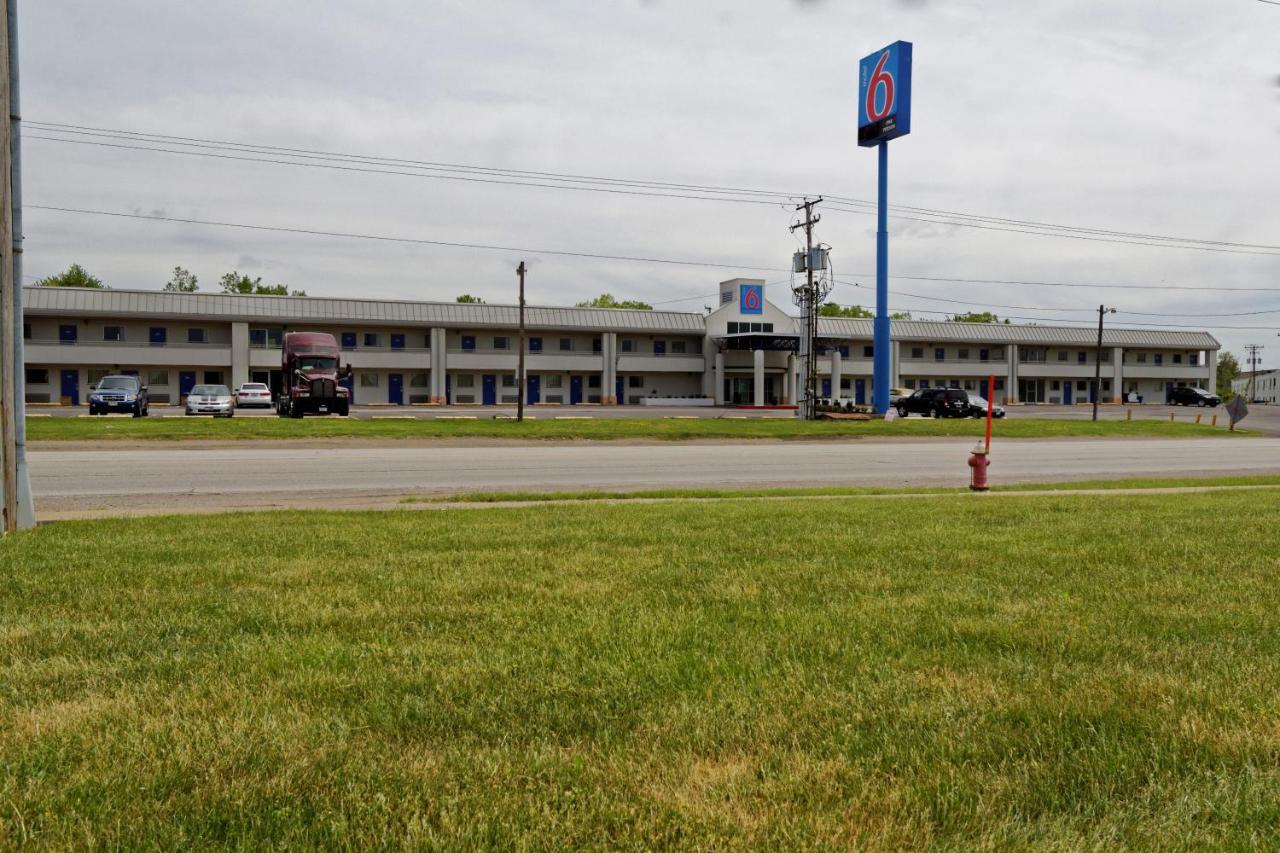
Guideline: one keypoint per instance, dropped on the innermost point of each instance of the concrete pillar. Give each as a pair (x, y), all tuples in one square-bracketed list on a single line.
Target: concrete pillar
[(757, 370), (718, 390), (709, 374), (835, 373), (789, 381), (1117, 376), (895, 366), (439, 365), (1211, 364), (239, 354), (608, 376), (1011, 377)]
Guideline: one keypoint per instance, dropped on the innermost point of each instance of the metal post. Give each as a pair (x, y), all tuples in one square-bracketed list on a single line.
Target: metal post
[(8, 368), (26, 515), (520, 380), (1097, 364), (880, 343)]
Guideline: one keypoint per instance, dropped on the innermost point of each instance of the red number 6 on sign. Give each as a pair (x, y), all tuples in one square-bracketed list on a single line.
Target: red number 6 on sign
[(879, 78)]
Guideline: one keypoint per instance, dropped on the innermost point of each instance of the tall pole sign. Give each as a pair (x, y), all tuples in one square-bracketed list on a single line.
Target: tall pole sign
[(884, 113)]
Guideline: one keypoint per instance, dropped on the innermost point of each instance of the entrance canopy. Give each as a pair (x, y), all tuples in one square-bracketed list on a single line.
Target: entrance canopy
[(772, 342)]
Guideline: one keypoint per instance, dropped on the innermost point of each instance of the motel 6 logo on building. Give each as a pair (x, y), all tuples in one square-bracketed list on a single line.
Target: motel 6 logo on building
[(884, 94), (751, 299)]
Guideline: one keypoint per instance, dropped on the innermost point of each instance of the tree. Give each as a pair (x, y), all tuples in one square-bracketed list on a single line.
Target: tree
[(900, 315), (1228, 370), (855, 312), (470, 300), (607, 300), (234, 282), (183, 281), (977, 317), (75, 276)]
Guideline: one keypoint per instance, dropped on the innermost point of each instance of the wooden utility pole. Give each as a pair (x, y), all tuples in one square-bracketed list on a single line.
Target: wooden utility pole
[(809, 299), (521, 382), (1097, 362), (8, 368)]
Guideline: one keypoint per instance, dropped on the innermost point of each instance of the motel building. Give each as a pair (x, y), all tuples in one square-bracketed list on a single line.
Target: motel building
[(425, 353), (1265, 386)]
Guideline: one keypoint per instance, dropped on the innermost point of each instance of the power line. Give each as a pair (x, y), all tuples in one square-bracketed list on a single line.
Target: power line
[(1019, 283), (127, 139), (313, 232)]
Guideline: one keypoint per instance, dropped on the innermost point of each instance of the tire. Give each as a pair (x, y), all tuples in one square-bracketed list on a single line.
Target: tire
[(902, 412), (137, 410), (1202, 404), (231, 414)]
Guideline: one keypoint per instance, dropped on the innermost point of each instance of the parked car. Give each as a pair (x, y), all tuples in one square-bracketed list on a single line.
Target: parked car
[(253, 394), (935, 402), (119, 394), (210, 400), (1186, 396), (978, 407)]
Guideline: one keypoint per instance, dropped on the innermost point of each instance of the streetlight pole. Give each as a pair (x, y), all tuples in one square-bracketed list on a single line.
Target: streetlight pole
[(1097, 360)]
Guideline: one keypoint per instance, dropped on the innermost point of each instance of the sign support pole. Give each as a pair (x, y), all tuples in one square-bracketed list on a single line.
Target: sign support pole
[(881, 338)]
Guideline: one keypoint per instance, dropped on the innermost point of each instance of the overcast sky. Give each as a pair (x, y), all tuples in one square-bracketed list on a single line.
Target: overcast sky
[(1151, 116)]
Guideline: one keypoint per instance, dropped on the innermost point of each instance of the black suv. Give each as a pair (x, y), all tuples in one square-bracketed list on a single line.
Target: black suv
[(119, 394), (1186, 396), (935, 402)]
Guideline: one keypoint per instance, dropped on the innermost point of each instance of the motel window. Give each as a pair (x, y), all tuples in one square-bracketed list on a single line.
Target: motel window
[(37, 376), (911, 384), (566, 344), (26, 331), (257, 337), (868, 352), (635, 381), (501, 342), (419, 380), (1080, 385), (113, 333), (963, 355), (968, 385), (595, 345), (917, 352), (1062, 355), (553, 380), (368, 380), (593, 381), (1142, 358), (924, 383), (757, 327), (535, 344), (998, 352), (1177, 358), (1082, 357), (466, 380), (371, 339), (678, 347), (1106, 385), (939, 354), (1106, 356), (984, 355), (213, 377), (96, 375), (732, 329), (508, 380), (158, 377), (999, 383), (767, 327), (1055, 385), (197, 336), (628, 346)]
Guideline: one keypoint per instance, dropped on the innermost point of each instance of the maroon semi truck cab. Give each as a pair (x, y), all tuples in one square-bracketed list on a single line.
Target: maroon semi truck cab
[(312, 376)]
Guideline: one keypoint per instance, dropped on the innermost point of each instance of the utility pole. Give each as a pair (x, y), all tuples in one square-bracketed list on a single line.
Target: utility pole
[(808, 298), (520, 380), (1254, 361), (1097, 360)]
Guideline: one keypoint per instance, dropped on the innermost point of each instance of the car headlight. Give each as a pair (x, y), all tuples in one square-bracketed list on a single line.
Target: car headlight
[(128, 398)]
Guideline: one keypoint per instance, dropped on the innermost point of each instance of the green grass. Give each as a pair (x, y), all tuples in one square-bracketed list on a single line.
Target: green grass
[(837, 491), (1061, 672), (603, 429)]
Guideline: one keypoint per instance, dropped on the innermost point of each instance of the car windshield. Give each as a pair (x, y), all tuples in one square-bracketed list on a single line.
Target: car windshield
[(978, 401), (119, 383), (317, 362), (210, 391), (1200, 391)]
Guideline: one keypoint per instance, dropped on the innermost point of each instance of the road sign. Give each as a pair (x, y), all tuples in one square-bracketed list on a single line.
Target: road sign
[(884, 94), (1237, 410)]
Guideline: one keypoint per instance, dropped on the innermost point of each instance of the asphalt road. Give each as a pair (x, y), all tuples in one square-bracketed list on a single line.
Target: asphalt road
[(122, 481)]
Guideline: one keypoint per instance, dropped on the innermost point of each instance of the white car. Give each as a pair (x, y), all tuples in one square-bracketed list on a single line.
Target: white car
[(210, 400), (253, 394)]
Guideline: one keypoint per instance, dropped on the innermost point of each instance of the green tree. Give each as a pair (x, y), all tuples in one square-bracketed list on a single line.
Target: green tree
[(977, 317), (607, 300), (75, 276), (234, 282), (470, 300), (900, 315), (1228, 370), (856, 312), (183, 281)]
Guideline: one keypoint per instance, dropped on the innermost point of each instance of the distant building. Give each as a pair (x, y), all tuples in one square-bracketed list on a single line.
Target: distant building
[(1266, 386), (744, 353)]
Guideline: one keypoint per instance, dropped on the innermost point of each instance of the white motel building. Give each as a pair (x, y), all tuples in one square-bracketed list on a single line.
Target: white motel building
[(408, 353), (1265, 386)]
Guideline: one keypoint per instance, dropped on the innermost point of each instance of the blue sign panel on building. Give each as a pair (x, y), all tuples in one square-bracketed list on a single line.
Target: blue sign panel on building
[(884, 94), (751, 299)]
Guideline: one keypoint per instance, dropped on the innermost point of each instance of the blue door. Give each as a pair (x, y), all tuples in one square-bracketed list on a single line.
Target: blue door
[(397, 341), (186, 381), (619, 392), (489, 384), (1168, 391), (860, 391), (575, 390), (448, 389), (67, 334), (71, 386), (826, 387), (395, 388), (1066, 393), (348, 340), (659, 347), (534, 394), (158, 336), (349, 383)]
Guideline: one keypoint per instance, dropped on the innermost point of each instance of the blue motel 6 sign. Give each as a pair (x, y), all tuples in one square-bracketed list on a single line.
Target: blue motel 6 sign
[(751, 299), (884, 94)]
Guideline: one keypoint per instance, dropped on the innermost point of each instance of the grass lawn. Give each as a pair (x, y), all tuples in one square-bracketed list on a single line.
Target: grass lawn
[(603, 429), (1063, 672)]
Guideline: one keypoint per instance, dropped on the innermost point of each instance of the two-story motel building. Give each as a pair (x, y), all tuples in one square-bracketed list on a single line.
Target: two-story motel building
[(406, 353)]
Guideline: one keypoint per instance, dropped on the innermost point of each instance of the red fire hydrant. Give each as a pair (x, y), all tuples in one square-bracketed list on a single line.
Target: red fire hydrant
[(978, 462)]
